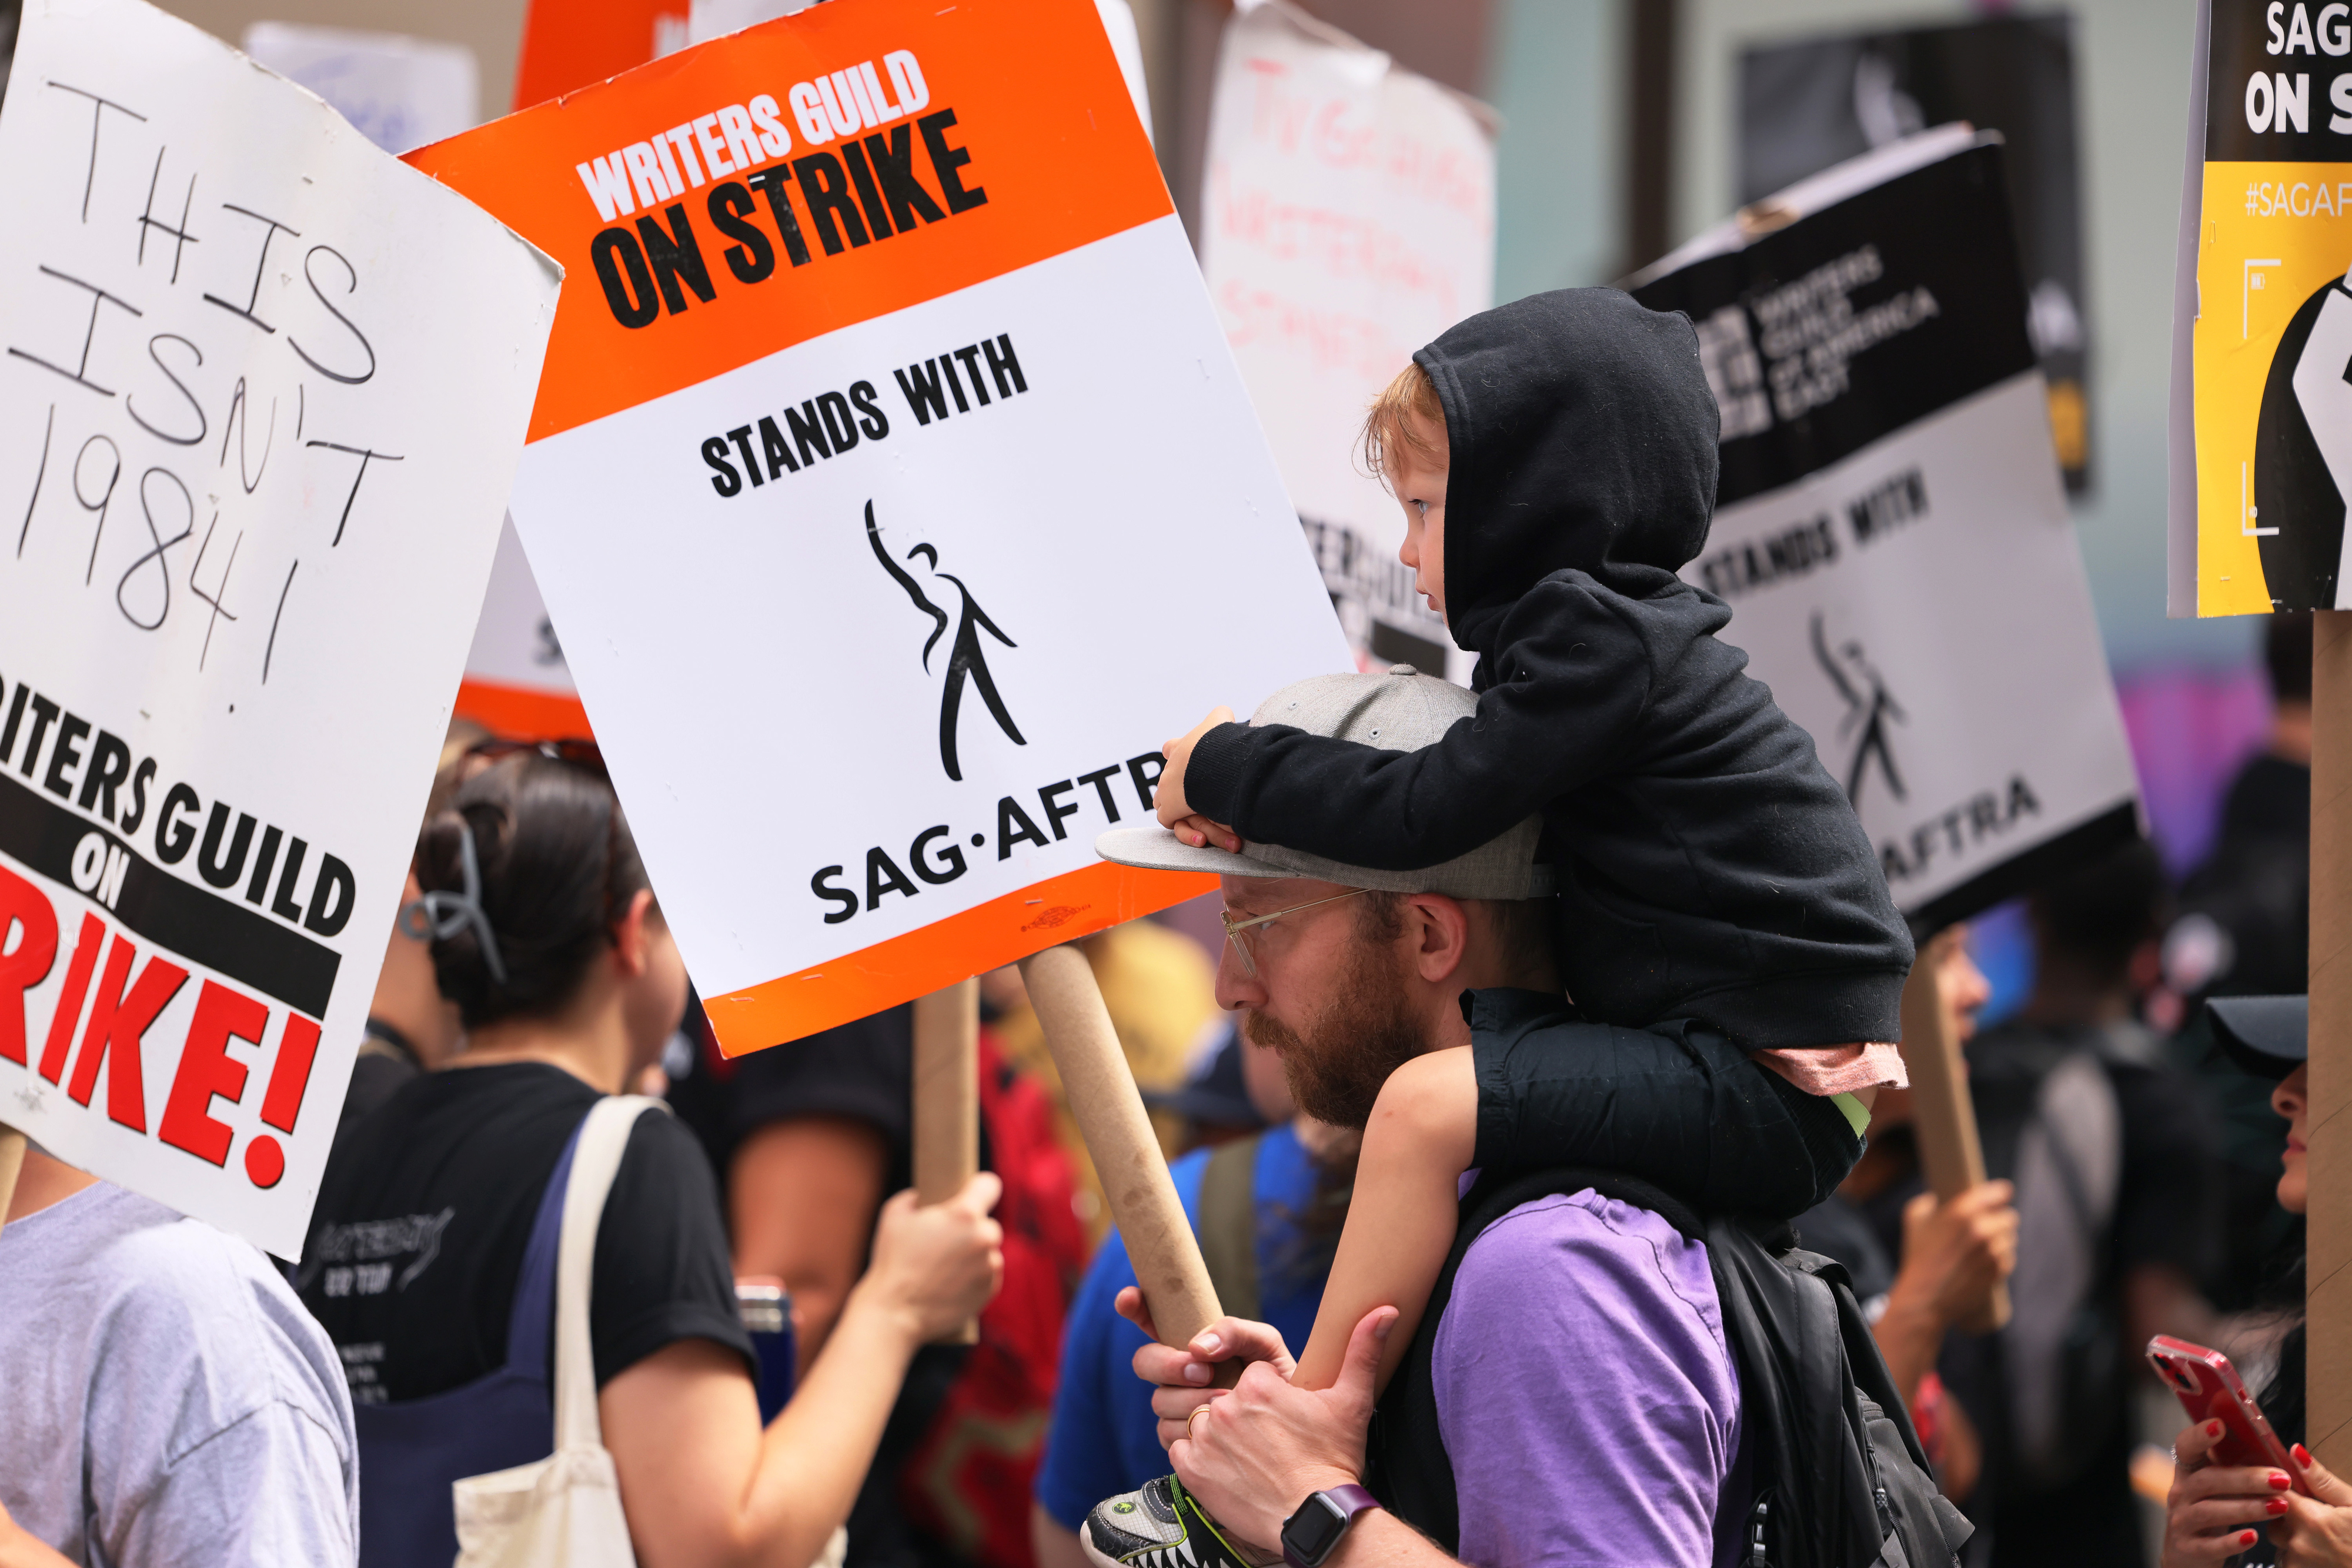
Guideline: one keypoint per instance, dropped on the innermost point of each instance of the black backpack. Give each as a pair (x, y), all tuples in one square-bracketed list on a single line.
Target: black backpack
[(1839, 1480)]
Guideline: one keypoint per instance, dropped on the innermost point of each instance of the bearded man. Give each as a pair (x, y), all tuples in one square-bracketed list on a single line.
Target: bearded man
[(1570, 1396)]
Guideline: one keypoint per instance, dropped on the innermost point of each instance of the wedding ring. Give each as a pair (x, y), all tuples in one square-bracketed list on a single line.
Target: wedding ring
[(1198, 1411)]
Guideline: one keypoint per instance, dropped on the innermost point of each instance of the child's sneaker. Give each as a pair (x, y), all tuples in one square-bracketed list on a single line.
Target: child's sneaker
[(1158, 1525)]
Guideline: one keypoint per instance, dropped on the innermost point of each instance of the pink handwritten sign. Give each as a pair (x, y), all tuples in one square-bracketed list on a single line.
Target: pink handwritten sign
[(1347, 218)]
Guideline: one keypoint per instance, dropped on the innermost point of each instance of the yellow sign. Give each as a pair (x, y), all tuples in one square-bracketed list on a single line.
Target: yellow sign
[(2272, 338), (2271, 283)]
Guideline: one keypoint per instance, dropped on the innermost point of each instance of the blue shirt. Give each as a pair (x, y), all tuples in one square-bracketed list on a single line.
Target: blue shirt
[(1104, 1440)]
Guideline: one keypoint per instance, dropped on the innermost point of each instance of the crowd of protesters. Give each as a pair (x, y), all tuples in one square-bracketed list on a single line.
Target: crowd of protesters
[(772, 1321), (2109, 1218)]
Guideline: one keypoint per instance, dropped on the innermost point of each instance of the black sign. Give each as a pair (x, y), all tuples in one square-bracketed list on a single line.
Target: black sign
[(2279, 83), (1806, 106), (1870, 314), (186, 921)]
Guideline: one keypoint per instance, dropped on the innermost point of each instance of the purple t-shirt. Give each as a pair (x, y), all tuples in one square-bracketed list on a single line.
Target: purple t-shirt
[(1585, 1392)]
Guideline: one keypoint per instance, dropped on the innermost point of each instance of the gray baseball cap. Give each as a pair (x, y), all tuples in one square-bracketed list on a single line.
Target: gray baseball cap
[(1401, 710)]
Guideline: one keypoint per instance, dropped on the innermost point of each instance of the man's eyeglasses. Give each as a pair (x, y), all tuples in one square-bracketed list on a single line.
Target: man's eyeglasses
[(1237, 932)]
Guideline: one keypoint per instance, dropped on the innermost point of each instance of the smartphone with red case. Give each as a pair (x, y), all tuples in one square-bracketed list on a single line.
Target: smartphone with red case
[(2210, 1389)]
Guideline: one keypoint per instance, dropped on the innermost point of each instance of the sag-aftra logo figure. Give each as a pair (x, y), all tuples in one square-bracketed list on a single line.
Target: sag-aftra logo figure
[(966, 656), (1868, 707)]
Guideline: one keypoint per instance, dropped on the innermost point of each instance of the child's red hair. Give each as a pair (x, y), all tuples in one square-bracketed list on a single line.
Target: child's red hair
[(1405, 418)]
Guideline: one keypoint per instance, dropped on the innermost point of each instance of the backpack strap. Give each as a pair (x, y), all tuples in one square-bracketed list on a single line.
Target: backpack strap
[(1228, 1225), (534, 1317), (602, 1138), (1788, 1330), (1811, 1378), (1407, 1466)]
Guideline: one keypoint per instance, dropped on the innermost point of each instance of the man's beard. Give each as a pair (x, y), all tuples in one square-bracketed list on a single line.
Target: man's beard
[(1336, 1069)]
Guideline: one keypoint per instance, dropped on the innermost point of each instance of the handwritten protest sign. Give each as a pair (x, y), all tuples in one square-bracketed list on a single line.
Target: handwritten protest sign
[(891, 486), (1347, 218), (1891, 531), (260, 403), (2261, 417)]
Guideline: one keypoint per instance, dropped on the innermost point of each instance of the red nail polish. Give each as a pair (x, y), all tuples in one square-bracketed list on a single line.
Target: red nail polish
[(2276, 1506), (2245, 1538), (2302, 1456), (2279, 1481), (2212, 1428)]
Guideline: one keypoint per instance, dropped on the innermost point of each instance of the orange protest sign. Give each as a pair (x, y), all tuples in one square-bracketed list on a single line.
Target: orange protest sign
[(858, 985), (892, 485), (518, 713), (568, 43), (686, 179)]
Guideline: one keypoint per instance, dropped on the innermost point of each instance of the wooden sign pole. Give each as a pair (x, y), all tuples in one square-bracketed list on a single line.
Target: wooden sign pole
[(1944, 1116), (947, 1101), (2328, 1162), (1110, 1115)]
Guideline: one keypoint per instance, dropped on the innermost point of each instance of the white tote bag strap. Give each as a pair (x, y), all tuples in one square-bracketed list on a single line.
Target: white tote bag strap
[(603, 1139)]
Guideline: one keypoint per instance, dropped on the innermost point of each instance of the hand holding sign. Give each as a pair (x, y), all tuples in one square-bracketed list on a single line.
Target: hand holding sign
[(1168, 799), (259, 407)]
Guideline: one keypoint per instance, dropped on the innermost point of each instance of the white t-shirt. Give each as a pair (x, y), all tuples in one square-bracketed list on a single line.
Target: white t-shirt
[(164, 1398)]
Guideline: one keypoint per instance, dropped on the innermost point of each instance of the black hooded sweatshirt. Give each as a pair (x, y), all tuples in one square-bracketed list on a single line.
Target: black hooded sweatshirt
[(1708, 866)]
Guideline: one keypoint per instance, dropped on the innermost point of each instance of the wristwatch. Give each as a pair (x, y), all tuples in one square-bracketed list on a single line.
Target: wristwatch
[(1313, 1534)]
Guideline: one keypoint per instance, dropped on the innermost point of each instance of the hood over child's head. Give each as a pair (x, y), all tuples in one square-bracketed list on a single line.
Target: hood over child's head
[(1582, 434)]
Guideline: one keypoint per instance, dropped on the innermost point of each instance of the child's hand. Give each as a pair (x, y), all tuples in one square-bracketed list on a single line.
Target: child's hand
[(1197, 830), (1168, 800), (1185, 1379)]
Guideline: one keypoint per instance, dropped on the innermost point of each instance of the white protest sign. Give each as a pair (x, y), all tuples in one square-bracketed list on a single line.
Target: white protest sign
[(1891, 527), (1347, 218), (260, 404), (892, 488), (517, 683)]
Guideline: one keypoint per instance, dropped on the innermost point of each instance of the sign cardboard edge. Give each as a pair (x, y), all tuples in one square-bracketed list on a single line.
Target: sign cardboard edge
[(988, 935)]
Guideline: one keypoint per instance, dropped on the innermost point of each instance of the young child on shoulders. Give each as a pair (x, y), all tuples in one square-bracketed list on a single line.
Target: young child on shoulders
[(1556, 459)]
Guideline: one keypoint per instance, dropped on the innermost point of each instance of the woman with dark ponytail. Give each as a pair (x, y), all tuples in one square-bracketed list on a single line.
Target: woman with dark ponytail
[(431, 1260)]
